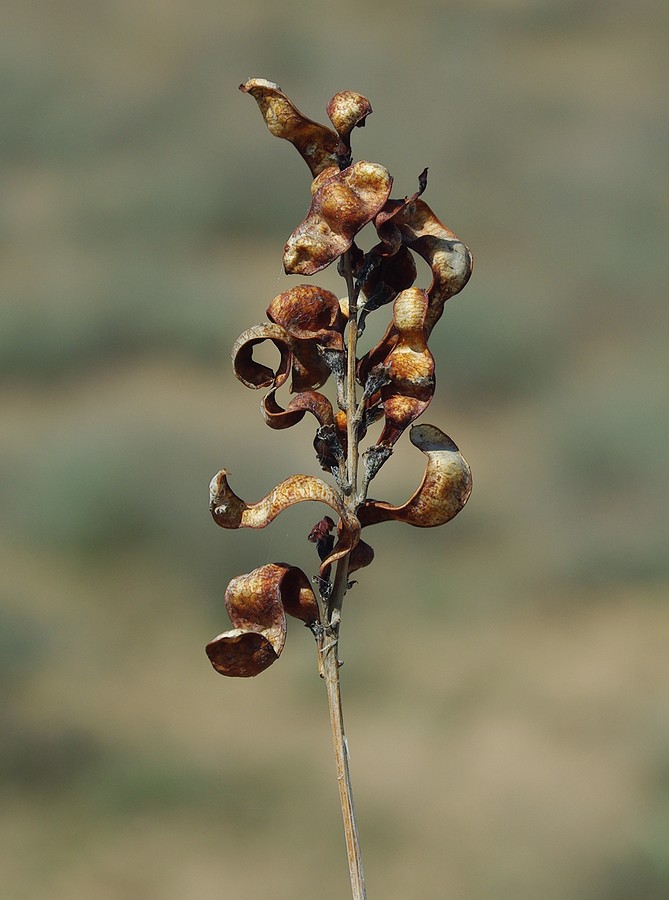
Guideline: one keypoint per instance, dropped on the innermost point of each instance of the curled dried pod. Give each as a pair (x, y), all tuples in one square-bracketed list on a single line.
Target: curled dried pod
[(257, 604), (309, 313), (348, 110), (230, 511), (300, 357), (409, 367), (343, 204), (254, 374), (443, 492), (317, 145), (305, 402), (447, 256)]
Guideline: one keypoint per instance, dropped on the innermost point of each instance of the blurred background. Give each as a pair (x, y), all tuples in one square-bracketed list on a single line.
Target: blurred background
[(506, 678)]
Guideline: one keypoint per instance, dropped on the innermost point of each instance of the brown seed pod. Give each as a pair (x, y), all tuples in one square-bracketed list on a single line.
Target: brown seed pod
[(316, 144), (447, 256), (409, 367), (257, 604), (348, 110), (301, 357), (443, 492), (253, 374), (343, 204), (309, 313), (230, 511), (306, 402)]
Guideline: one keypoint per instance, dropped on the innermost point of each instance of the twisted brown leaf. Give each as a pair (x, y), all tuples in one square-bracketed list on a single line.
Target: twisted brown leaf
[(343, 203), (444, 490), (316, 144), (230, 511), (257, 604)]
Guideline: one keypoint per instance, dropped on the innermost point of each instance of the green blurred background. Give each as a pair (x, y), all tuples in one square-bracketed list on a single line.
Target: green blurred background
[(506, 677)]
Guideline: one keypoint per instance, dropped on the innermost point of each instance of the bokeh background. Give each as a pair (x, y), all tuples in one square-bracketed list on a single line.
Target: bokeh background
[(506, 677)]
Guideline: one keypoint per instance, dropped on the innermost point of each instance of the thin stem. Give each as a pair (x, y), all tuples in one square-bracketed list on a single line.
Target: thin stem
[(328, 636), (330, 671), (351, 398)]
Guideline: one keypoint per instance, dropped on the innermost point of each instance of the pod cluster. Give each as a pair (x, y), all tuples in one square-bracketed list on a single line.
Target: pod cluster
[(307, 326)]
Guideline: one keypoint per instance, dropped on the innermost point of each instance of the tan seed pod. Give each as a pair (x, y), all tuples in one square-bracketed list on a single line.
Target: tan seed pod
[(449, 259), (348, 110), (316, 144), (409, 367), (343, 204), (443, 492), (230, 511), (257, 604)]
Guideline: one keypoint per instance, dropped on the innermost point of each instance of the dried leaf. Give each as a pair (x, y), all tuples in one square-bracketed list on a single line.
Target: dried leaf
[(444, 490), (316, 144), (343, 204), (230, 511), (257, 604)]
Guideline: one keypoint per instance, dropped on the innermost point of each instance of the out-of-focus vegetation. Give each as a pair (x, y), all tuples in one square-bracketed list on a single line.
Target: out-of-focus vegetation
[(511, 741)]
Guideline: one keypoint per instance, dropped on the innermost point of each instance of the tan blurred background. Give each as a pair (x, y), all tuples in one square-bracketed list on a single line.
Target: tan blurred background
[(506, 677)]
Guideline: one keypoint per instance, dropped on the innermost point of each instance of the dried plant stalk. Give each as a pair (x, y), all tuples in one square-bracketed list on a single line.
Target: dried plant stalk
[(317, 338)]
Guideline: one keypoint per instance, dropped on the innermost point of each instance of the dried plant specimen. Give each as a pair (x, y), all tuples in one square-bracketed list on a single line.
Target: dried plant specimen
[(316, 335)]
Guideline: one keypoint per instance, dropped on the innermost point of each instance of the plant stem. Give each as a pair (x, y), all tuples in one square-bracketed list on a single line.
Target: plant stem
[(328, 637), (330, 671), (351, 398)]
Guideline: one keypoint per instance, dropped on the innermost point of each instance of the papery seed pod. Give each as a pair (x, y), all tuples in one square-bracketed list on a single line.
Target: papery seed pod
[(302, 358), (443, 492), (309, 313), (316, 144), (409, 367), (254, 374), (330, 440), (348, 110), (306, 402), (361, 556), (257, 604), (386, 227), (342, 205), (447, 256), (230, 511)]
